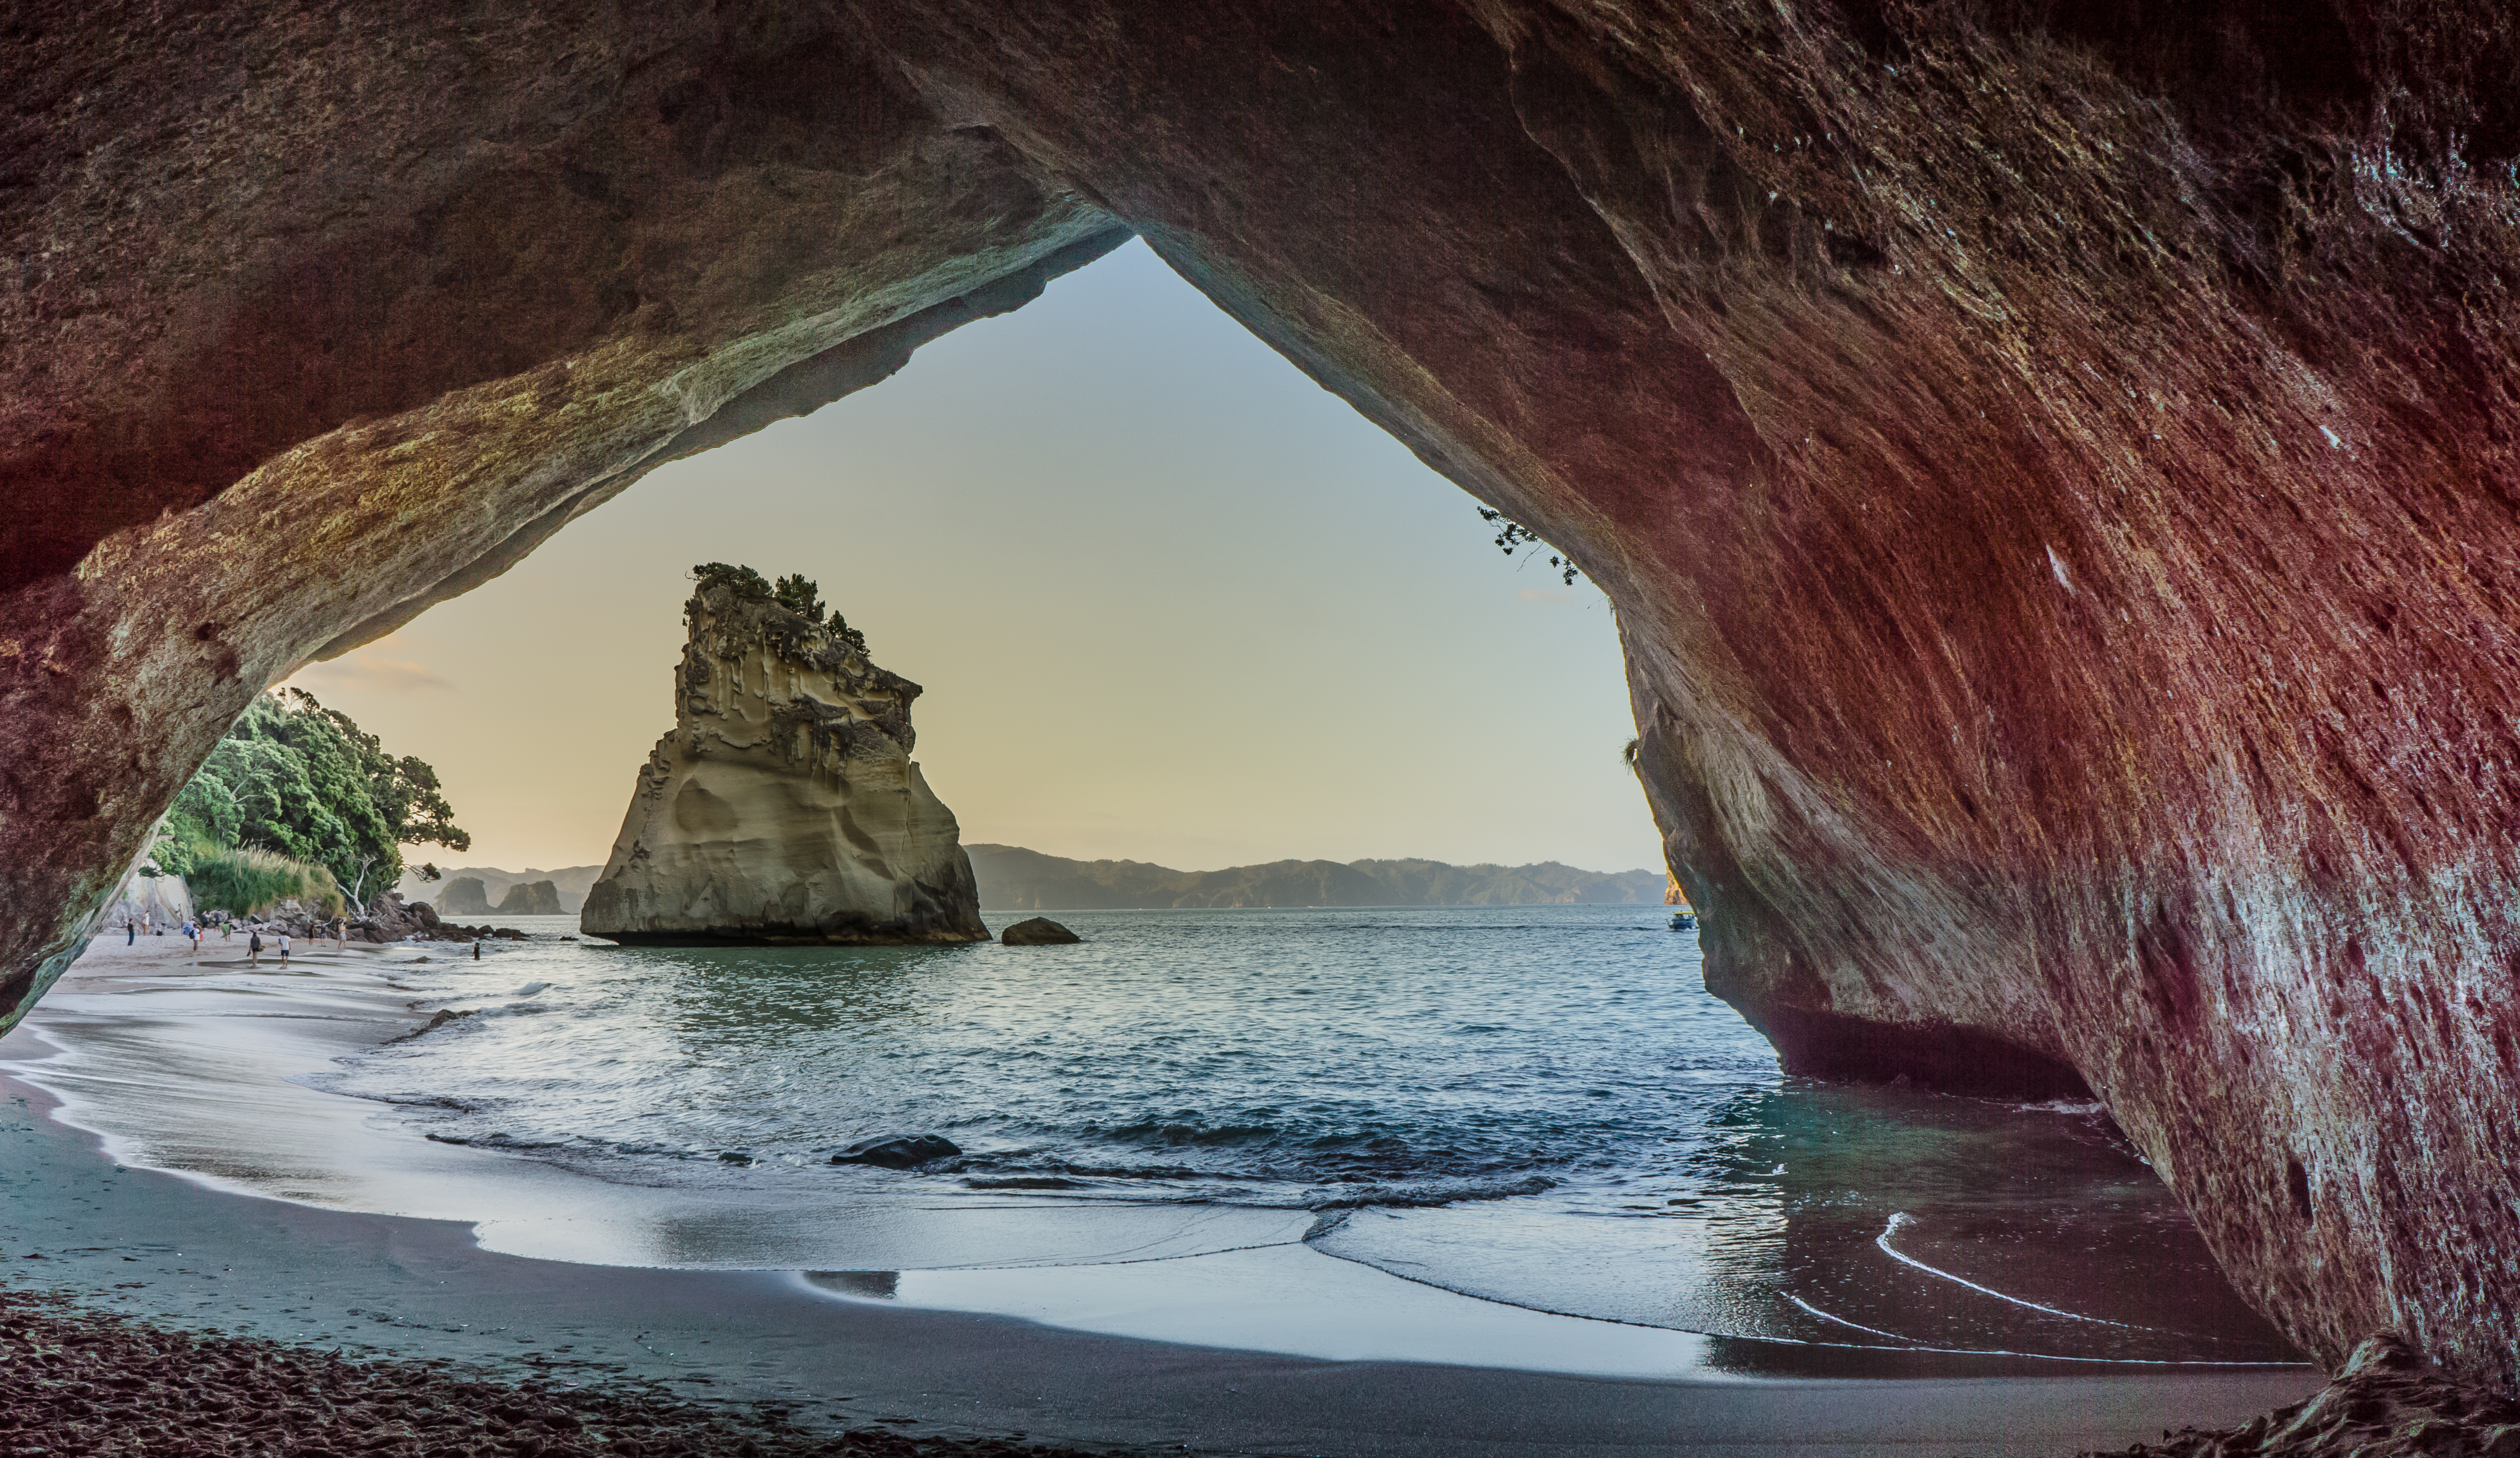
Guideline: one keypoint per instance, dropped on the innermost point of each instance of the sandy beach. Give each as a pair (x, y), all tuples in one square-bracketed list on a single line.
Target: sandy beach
[(838, 1350)]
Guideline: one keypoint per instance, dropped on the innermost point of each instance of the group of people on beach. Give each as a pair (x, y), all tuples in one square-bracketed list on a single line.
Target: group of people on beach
[(140, 923), (194, 932)]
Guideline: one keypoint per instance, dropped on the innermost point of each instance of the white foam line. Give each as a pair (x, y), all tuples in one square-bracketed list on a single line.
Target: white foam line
[(1840, 1320), (1901, 1219), (1916, 1347)]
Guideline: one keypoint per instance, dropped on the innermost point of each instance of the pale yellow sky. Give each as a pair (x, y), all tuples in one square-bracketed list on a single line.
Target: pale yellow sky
[(1170, 602)]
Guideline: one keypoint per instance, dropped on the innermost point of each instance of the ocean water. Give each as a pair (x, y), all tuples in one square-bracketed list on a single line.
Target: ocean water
[(1538, 1106)]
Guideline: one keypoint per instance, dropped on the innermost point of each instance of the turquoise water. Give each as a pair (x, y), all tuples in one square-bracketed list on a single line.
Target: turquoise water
[(1537, 1105)]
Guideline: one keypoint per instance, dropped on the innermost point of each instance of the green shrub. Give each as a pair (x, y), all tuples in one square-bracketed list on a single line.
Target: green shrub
[(796, 592), (246, 882), (746, 582), (293, 777)]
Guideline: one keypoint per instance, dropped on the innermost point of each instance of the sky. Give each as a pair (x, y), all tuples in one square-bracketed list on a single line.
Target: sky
[(1169, 599)]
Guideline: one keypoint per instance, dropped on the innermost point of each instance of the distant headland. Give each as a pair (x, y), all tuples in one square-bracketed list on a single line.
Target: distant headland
[(1014, 879)]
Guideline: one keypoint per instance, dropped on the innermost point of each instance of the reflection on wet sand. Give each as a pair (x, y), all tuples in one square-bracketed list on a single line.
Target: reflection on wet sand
[(1833, 1230)]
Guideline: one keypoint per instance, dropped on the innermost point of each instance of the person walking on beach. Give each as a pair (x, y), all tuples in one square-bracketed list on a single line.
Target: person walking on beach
[(283, 948), (131, 931), (253, 949)]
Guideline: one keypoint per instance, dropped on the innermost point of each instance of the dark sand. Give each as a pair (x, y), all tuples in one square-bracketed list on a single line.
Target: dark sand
[(76, 1382), (156, 1245)]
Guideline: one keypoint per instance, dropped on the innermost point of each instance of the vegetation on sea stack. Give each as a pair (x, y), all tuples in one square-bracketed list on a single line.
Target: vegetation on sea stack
[(298, 782), (796, 592)]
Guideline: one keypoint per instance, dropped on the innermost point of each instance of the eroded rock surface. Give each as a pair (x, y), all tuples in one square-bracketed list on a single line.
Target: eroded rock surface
[(2387, 1402), (784, 806), (2053, 464)]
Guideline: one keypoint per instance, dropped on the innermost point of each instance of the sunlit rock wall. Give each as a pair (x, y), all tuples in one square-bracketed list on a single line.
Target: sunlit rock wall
[(783, 805), (2052, 464)]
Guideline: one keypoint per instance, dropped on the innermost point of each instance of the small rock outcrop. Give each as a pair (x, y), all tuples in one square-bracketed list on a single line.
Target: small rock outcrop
[(783, 805), (899, 1150), (1040, 931), (390, 918), (386, 919), (464, 897), (2388, 1403), (531, 898)]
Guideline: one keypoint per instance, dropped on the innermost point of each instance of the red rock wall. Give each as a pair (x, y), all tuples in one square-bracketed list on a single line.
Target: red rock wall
[(2052, 464)]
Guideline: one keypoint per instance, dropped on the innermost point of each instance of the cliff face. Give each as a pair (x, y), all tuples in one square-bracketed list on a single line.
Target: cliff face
[(165, 901), (784, 806), (2053, 464)]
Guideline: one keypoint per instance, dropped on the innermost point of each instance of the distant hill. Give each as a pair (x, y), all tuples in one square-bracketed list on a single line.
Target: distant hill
[(572, 883), (1014, 879)]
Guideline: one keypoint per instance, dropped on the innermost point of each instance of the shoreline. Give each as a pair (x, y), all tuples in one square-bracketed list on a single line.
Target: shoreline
[(220, 1075), (176, 1250), (382, 1286)]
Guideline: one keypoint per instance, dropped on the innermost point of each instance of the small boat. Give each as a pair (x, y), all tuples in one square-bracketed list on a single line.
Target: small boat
[(1683, 921)]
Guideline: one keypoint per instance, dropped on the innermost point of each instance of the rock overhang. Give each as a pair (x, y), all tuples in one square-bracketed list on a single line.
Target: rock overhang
[(2051, 470)]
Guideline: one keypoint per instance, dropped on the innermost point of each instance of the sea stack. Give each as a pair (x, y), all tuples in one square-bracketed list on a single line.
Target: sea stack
[(530, 898), (465, 895), (784, 806)]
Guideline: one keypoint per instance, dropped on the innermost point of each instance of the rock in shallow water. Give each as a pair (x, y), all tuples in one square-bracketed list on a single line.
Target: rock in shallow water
[(784, 806), (1040, 931), (898, 1151)]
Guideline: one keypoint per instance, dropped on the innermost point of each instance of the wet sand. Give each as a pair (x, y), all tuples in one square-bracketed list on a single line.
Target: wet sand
[(833, 1350)]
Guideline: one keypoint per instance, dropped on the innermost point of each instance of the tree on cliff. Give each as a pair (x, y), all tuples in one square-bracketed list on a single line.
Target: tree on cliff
[(305, 782), (796, 592)]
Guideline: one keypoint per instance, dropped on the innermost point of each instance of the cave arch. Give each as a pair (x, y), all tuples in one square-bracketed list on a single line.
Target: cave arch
[(2053, 485), (1159, 588)]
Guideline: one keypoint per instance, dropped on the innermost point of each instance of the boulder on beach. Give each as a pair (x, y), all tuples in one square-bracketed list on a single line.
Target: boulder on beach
[(898, 1151), (390, 918), (1040, 931)]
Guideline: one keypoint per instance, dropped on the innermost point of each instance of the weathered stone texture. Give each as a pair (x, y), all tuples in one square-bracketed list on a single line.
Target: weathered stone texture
[(783, 807), (2052, 464)]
